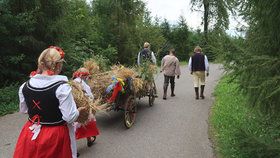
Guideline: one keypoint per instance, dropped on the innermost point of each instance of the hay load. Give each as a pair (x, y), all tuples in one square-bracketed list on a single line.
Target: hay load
[(100, 80)]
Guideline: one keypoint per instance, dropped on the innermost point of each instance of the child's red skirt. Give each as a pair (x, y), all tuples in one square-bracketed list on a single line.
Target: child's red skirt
[(88, 130)]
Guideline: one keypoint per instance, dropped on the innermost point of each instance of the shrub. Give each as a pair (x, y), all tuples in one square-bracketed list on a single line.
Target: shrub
[(9, 99)]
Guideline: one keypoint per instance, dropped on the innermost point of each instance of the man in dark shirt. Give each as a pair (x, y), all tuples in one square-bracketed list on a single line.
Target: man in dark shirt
[(198, 65)]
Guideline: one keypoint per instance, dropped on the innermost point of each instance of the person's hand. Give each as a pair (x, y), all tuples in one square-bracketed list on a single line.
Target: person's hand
[(207, 74), (178, 76), (160, 71)]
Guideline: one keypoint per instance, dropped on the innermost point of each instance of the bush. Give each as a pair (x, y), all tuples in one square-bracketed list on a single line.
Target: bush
[(240, 131), (9, 99)]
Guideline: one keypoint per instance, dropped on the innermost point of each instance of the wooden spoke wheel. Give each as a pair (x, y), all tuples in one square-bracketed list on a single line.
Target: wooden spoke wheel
[(130, 112)]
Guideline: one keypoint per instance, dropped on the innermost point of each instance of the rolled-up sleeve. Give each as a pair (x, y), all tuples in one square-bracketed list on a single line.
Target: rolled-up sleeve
[(154, 59), (162, 64), (190, 64), (22, 104), (138, 59), (206, 64), (67, 104)]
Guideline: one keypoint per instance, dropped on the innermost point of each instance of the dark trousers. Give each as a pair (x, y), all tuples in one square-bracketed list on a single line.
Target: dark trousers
[(170, 79)]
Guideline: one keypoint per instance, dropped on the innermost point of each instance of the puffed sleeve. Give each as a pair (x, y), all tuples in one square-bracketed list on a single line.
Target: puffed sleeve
[(22, 104), (87, 89), (67, 104)]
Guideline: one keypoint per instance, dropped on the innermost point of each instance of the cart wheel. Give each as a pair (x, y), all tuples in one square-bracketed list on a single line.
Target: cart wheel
[(151, 96), (129, 112)]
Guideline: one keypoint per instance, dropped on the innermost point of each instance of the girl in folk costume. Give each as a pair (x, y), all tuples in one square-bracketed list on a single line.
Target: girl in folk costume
[(89, 130), (47, 98)]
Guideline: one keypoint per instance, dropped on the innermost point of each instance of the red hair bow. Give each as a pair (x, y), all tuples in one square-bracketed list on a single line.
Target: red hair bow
[(61, 52), (80, 74)]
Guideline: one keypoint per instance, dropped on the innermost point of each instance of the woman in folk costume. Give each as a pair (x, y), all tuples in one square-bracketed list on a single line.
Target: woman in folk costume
[(89, 130), (47, 98)]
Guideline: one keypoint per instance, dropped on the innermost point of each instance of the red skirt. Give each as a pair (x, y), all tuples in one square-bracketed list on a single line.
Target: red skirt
[(52, 142), (88, 130)]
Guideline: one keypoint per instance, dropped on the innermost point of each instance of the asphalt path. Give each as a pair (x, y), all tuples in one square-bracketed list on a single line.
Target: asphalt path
[(172, 128)]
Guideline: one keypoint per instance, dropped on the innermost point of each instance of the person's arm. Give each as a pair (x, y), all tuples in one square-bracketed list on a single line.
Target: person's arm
[(87, 90), (190, 64), (162, 64), (22, 104), (177, 70), (154, 59), (67, 104), (138, 59), (206, 64)]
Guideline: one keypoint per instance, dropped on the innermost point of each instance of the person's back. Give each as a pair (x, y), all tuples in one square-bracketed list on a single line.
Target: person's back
[(198, 63), (169, 65), (146, 55)]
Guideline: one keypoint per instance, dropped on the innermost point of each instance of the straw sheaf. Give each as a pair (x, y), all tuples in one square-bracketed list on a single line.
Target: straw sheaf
[(123, 72), (82, 100), (153, 69), (138, 85), (92, 66), (99, 82)]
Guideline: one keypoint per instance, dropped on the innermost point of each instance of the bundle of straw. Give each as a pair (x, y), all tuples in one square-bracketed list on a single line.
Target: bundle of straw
[(99, 82), (123, 72), (92, 66), (82, 100), (138, 84)]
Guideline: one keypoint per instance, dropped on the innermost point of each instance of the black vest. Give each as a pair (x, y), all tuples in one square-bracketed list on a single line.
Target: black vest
[(43, 102), (198, 63), (145, 55)]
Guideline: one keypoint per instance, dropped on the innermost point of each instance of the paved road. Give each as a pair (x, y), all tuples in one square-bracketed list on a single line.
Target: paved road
[(175, 128)]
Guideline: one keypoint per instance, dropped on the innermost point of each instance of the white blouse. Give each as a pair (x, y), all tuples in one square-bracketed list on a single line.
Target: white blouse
[(86, 87)]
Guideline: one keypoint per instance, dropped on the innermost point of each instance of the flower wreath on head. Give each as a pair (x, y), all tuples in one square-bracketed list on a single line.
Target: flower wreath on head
[(61, 52), (80, 74)]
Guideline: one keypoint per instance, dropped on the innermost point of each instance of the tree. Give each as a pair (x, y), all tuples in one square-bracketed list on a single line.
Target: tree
[(27, 27), (117, 24)]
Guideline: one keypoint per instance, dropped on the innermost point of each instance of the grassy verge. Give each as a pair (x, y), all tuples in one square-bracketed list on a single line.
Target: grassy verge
[(239, 131), (9, 99), (183, 63)]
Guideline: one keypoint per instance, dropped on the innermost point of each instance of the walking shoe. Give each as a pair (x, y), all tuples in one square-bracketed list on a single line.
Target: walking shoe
[(90, 141)]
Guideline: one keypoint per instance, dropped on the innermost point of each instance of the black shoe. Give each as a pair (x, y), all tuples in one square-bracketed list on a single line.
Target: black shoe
[(78, 154), (172, 95), (90, 142), (164, 98)]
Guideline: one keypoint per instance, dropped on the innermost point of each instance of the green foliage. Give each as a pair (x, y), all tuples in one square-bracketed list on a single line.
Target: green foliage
[(117, 26), (147, 71), (9, 99), (256, 62), (240, 131), (27, 27), (103, 63)]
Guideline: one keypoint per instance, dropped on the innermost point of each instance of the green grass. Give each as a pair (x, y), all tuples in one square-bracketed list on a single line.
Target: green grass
[(239, 131), (183, 63), (9, 99)]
